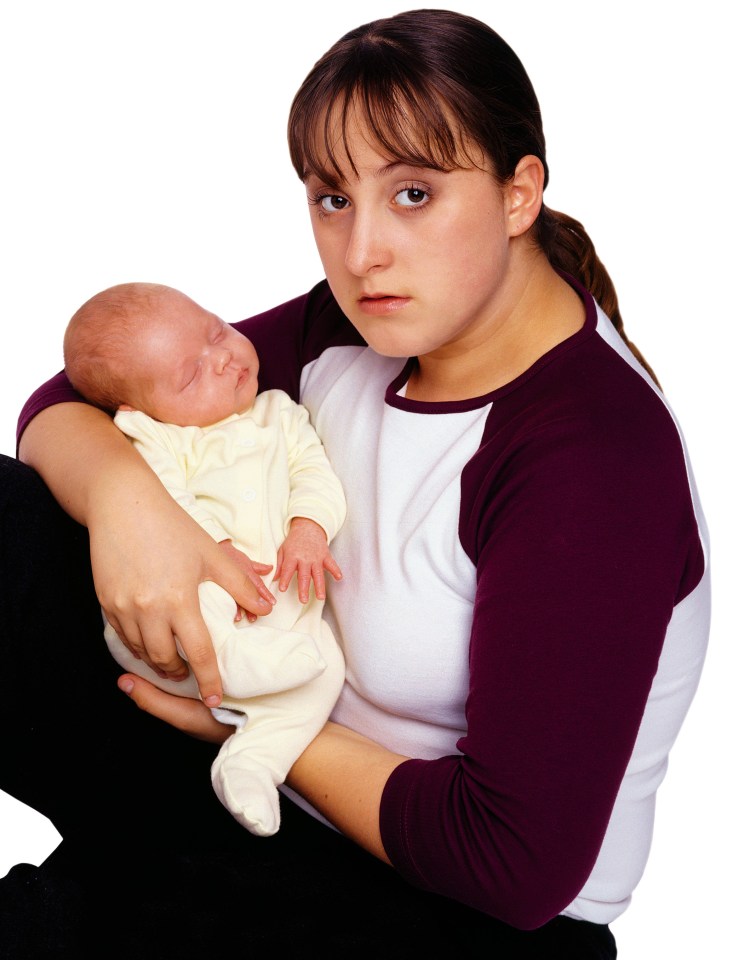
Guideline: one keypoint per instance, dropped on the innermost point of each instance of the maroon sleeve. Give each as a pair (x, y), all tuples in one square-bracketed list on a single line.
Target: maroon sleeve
[(579, 520), (57, 390), (286, 338)]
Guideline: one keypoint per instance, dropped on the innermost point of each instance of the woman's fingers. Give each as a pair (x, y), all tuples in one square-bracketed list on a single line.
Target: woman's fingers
[(262, 596), (240, 583), (157, 634), (153, 621), (192, 634), (191, 716), (155, 648), (252, 570)]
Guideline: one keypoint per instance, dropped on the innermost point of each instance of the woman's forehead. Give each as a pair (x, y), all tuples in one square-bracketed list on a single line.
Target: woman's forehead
[(397, 130)]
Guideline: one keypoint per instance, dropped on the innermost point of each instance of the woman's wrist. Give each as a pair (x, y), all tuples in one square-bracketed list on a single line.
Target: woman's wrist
[(343, 775)]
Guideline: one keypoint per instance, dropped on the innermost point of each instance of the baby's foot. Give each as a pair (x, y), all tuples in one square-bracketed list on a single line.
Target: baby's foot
[(248, 792)]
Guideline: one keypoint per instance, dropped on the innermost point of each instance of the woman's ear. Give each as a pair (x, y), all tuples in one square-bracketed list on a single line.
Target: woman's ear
[(524, 195)]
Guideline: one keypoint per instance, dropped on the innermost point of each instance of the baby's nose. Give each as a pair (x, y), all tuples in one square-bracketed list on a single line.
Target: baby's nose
[(222, 358)]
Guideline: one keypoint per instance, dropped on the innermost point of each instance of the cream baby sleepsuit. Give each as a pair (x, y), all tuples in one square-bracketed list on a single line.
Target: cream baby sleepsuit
[(244, 479)]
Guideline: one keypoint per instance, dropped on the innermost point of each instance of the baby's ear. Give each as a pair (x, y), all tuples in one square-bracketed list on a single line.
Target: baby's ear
[(124, 406)]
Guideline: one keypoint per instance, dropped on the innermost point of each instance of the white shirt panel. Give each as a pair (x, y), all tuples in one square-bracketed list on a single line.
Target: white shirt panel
[(411, 591)]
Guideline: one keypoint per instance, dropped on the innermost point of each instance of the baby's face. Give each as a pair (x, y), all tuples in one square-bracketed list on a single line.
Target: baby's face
[(190, 367)]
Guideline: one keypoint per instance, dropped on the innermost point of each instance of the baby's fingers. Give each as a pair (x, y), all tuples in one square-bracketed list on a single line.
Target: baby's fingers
[(286, 571), (305, 575), (318, 582), (332, 567)]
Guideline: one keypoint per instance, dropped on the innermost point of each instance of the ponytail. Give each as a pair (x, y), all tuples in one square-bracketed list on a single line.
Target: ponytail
[(568, 247)]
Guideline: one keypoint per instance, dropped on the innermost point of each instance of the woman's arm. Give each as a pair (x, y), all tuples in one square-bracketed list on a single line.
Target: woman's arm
[(148, 555), (341, 773)]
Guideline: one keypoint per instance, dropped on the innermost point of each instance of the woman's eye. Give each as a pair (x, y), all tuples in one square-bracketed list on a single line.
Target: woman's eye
[(331, 203), (411, 197)]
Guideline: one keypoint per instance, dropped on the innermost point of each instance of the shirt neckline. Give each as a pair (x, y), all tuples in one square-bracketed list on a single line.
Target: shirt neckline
[(394, 399)]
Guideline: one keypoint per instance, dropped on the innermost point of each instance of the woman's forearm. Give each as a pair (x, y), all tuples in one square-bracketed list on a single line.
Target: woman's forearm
[(147, 553), (343, 774), (79, 453), (82, 456)]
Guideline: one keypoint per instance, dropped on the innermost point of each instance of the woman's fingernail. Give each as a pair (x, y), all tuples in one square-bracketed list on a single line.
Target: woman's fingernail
[(212, 701), (126, 685)]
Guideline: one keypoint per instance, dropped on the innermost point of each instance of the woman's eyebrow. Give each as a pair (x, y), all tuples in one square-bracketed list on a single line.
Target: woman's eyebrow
[(326, 177), (335, 182), (394, 166)]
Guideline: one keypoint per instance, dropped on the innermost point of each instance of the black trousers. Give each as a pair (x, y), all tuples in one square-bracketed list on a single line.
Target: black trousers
[(151, 865)]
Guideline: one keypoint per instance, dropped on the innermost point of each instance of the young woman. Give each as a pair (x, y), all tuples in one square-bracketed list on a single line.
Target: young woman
[(525, 606)]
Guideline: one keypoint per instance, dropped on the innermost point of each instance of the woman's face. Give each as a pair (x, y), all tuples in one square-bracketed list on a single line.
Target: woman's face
[(416, 257)]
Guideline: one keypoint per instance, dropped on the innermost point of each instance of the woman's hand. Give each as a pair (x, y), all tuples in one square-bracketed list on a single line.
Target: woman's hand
[(341, 772), (252, 569), (148, 555), (148, 560), (184, 713)]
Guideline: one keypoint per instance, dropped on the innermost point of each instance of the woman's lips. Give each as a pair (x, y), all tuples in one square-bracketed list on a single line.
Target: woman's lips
[(379, 305)]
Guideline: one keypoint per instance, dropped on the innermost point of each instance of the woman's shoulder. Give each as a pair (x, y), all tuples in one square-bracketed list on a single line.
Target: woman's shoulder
[(594, 389), (589, 434)]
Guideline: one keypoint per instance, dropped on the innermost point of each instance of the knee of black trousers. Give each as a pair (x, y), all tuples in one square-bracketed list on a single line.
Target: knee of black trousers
[(47, 599), (68, 737), (40, 545)]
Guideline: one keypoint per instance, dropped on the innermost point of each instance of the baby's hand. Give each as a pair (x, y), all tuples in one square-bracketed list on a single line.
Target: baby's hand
[(306, 552)]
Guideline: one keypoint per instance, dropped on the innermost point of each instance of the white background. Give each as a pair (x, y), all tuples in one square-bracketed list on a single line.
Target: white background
[(146, 141)]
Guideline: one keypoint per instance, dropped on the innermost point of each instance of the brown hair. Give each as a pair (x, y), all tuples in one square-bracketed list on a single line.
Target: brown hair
[(430, 84), (99, 342)]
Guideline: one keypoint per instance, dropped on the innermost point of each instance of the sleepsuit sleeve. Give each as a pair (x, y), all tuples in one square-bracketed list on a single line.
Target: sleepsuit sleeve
[(166, 449), (315, 490)]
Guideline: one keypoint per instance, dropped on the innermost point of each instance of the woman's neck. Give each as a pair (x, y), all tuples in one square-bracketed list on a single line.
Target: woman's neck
[(539, 311)]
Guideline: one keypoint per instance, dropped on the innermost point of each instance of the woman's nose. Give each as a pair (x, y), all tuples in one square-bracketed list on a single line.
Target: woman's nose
[(368, 247)]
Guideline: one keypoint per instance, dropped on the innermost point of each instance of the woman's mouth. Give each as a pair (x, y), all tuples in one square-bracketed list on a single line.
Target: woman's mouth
[(380, 304)]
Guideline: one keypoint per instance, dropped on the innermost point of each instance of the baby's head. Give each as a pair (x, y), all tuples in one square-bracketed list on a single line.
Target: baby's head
[(150, 347)]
